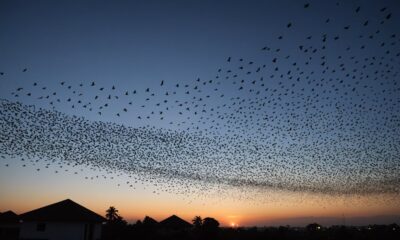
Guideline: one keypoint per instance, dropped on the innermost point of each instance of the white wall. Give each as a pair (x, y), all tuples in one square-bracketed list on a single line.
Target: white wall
[(57, 231)]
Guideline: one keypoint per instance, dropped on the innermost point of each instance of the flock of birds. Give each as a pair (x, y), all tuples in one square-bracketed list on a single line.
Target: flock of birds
[(323, 118)]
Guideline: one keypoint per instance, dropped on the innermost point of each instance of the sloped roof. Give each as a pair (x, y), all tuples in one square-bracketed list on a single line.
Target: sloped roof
[(67, 210), (175, 222), (149, 221), (9, 217)]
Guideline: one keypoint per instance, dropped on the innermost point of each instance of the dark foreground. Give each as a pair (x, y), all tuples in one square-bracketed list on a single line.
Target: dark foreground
[(312, 231)]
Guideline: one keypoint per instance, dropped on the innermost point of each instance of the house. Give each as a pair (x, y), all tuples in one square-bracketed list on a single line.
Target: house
[(9, 226), (175, 223), (65, 220), (149, 222)]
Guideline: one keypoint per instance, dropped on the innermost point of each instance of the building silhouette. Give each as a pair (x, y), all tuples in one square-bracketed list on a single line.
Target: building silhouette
[(65, 220)]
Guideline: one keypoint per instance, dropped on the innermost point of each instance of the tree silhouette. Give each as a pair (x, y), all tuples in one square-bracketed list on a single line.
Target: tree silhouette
[(312, 227), (210, 223), (197, 222), (210, 228), (116, 225), (112, 214)]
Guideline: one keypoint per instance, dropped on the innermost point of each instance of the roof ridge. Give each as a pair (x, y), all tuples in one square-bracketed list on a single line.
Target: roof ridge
[(65, 210)]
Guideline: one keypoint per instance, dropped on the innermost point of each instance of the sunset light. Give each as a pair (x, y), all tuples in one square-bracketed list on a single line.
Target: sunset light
[(199, 119)]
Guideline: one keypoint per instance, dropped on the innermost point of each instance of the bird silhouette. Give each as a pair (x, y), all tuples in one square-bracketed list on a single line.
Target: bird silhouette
[(316, 117)]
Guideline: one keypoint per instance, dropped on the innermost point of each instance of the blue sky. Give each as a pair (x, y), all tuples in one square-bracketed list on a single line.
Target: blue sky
[(314, 107)]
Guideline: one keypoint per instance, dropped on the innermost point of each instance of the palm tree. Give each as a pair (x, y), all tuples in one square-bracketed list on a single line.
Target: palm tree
[(112, 214), (197, 222)]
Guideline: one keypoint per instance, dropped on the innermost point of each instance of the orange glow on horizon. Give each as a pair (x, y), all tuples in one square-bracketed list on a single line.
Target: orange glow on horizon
[(247, 215), (134, 204)]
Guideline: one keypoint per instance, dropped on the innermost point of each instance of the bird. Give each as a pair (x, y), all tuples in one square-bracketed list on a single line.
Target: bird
[(294, 119)]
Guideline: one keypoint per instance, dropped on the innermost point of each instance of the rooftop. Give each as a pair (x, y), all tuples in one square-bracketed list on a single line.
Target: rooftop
[(64, 211)]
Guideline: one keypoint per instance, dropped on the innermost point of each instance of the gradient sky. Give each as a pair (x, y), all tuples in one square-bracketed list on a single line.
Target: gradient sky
[(134, 45)]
